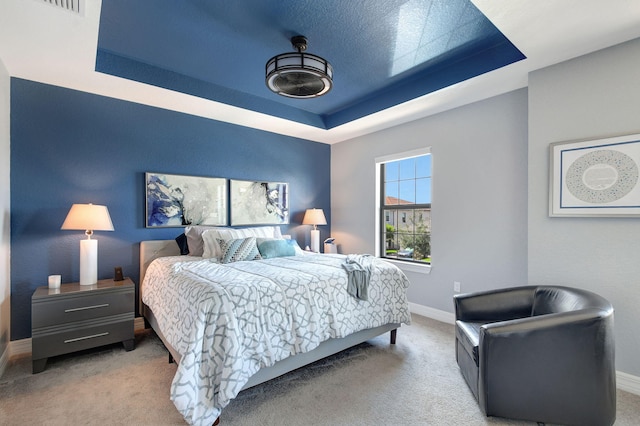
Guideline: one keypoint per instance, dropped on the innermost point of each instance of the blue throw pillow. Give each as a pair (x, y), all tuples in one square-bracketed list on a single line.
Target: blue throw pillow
[(277, 248)]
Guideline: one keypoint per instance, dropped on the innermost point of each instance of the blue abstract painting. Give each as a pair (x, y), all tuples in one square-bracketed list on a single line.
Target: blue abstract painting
[(176, 200), (254, 203)]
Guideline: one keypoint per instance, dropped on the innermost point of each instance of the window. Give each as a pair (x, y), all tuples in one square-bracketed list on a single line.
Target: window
[(405, 208)]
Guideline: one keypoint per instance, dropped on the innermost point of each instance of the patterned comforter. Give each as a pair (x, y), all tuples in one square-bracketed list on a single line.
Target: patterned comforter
[(228, 321)]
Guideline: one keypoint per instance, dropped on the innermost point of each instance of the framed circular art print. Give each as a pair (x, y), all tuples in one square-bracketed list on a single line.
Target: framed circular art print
[(598, 177)]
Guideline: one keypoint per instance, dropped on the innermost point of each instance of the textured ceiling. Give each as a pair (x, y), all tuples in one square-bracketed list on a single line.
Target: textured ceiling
[(43, 43), (383, 52)]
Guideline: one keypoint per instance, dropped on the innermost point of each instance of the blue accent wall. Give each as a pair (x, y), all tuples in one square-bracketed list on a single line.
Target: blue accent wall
[(74, 147)]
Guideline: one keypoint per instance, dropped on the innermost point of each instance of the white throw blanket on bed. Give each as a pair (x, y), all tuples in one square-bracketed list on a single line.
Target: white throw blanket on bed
[(228, 321)]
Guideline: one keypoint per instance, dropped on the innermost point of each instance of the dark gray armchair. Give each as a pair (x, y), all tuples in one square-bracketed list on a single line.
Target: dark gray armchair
[(539, 353)]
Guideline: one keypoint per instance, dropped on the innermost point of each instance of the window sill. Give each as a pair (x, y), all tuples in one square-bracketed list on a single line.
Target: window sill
[(410, 267)]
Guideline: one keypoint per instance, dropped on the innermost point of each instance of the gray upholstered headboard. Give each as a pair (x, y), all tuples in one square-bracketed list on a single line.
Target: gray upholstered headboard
[(150, 250)]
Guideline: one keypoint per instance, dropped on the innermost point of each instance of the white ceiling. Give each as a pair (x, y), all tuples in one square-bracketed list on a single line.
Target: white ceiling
[(43, 43)]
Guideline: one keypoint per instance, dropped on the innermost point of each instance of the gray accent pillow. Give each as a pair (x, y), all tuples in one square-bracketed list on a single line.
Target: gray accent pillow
[(239, 249)]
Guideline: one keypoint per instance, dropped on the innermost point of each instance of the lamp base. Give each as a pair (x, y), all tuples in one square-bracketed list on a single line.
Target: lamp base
[(315, 241), (88, 262)]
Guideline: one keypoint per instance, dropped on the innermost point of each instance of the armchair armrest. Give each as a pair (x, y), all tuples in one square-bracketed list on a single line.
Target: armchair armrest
[(495, 305), (545, 358)]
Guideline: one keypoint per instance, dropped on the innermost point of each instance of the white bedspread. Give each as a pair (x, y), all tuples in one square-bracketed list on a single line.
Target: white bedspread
[(228, 321)]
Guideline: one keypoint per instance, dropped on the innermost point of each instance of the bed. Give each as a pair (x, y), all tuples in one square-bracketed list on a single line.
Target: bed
[(233, 326)]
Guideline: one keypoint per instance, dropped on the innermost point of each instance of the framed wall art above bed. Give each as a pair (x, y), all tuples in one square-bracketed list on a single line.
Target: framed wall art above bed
[(259, 203), (177, 200), (597, 178)]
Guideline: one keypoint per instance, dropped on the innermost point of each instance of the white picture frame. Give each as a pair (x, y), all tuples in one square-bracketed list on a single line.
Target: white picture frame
[(595, 178), (259, 203), (179, 200)]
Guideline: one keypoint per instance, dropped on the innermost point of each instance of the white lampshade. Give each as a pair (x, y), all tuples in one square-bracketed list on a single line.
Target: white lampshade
[(88, 217), (314, 217)]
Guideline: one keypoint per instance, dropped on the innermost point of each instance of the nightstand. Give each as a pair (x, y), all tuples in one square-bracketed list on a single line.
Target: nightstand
[(77, 317)]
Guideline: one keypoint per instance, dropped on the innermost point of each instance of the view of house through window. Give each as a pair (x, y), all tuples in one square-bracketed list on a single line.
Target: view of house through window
[(406, 209)]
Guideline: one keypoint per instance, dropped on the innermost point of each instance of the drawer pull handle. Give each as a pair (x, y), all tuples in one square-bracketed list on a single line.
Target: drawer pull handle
[(77, 339), (84, 308)]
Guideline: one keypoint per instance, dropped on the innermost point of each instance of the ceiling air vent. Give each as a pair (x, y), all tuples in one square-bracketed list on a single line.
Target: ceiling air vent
[(74, 6)]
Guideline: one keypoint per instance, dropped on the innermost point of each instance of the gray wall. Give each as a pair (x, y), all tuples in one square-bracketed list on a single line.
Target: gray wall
[(594, 96), (4, 209), (479, 213), (487, 232)]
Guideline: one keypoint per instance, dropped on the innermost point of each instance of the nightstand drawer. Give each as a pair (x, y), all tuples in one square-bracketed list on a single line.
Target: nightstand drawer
[(52, 341), (75, 317), (81, 307)]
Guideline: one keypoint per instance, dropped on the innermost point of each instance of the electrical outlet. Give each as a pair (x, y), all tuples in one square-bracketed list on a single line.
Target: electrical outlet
[(456, 286)]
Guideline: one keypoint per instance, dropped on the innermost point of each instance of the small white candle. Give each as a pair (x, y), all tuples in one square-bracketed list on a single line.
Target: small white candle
[(54, 281)]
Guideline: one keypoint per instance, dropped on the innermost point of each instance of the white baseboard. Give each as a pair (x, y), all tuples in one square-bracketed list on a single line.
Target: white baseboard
[(20, 347), (628, 383), (624, 381), (4, 360), (138, 324), (432, 313)]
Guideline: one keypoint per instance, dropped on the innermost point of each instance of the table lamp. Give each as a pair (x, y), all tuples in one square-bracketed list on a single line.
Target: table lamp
[(314, 217), (88, 217)]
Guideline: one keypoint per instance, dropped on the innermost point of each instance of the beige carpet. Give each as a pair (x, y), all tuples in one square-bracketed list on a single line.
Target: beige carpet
[(415, 382)]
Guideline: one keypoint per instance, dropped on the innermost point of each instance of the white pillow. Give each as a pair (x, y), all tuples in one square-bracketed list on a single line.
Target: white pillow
[(211, 246), (194, 238), (210, 237)]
